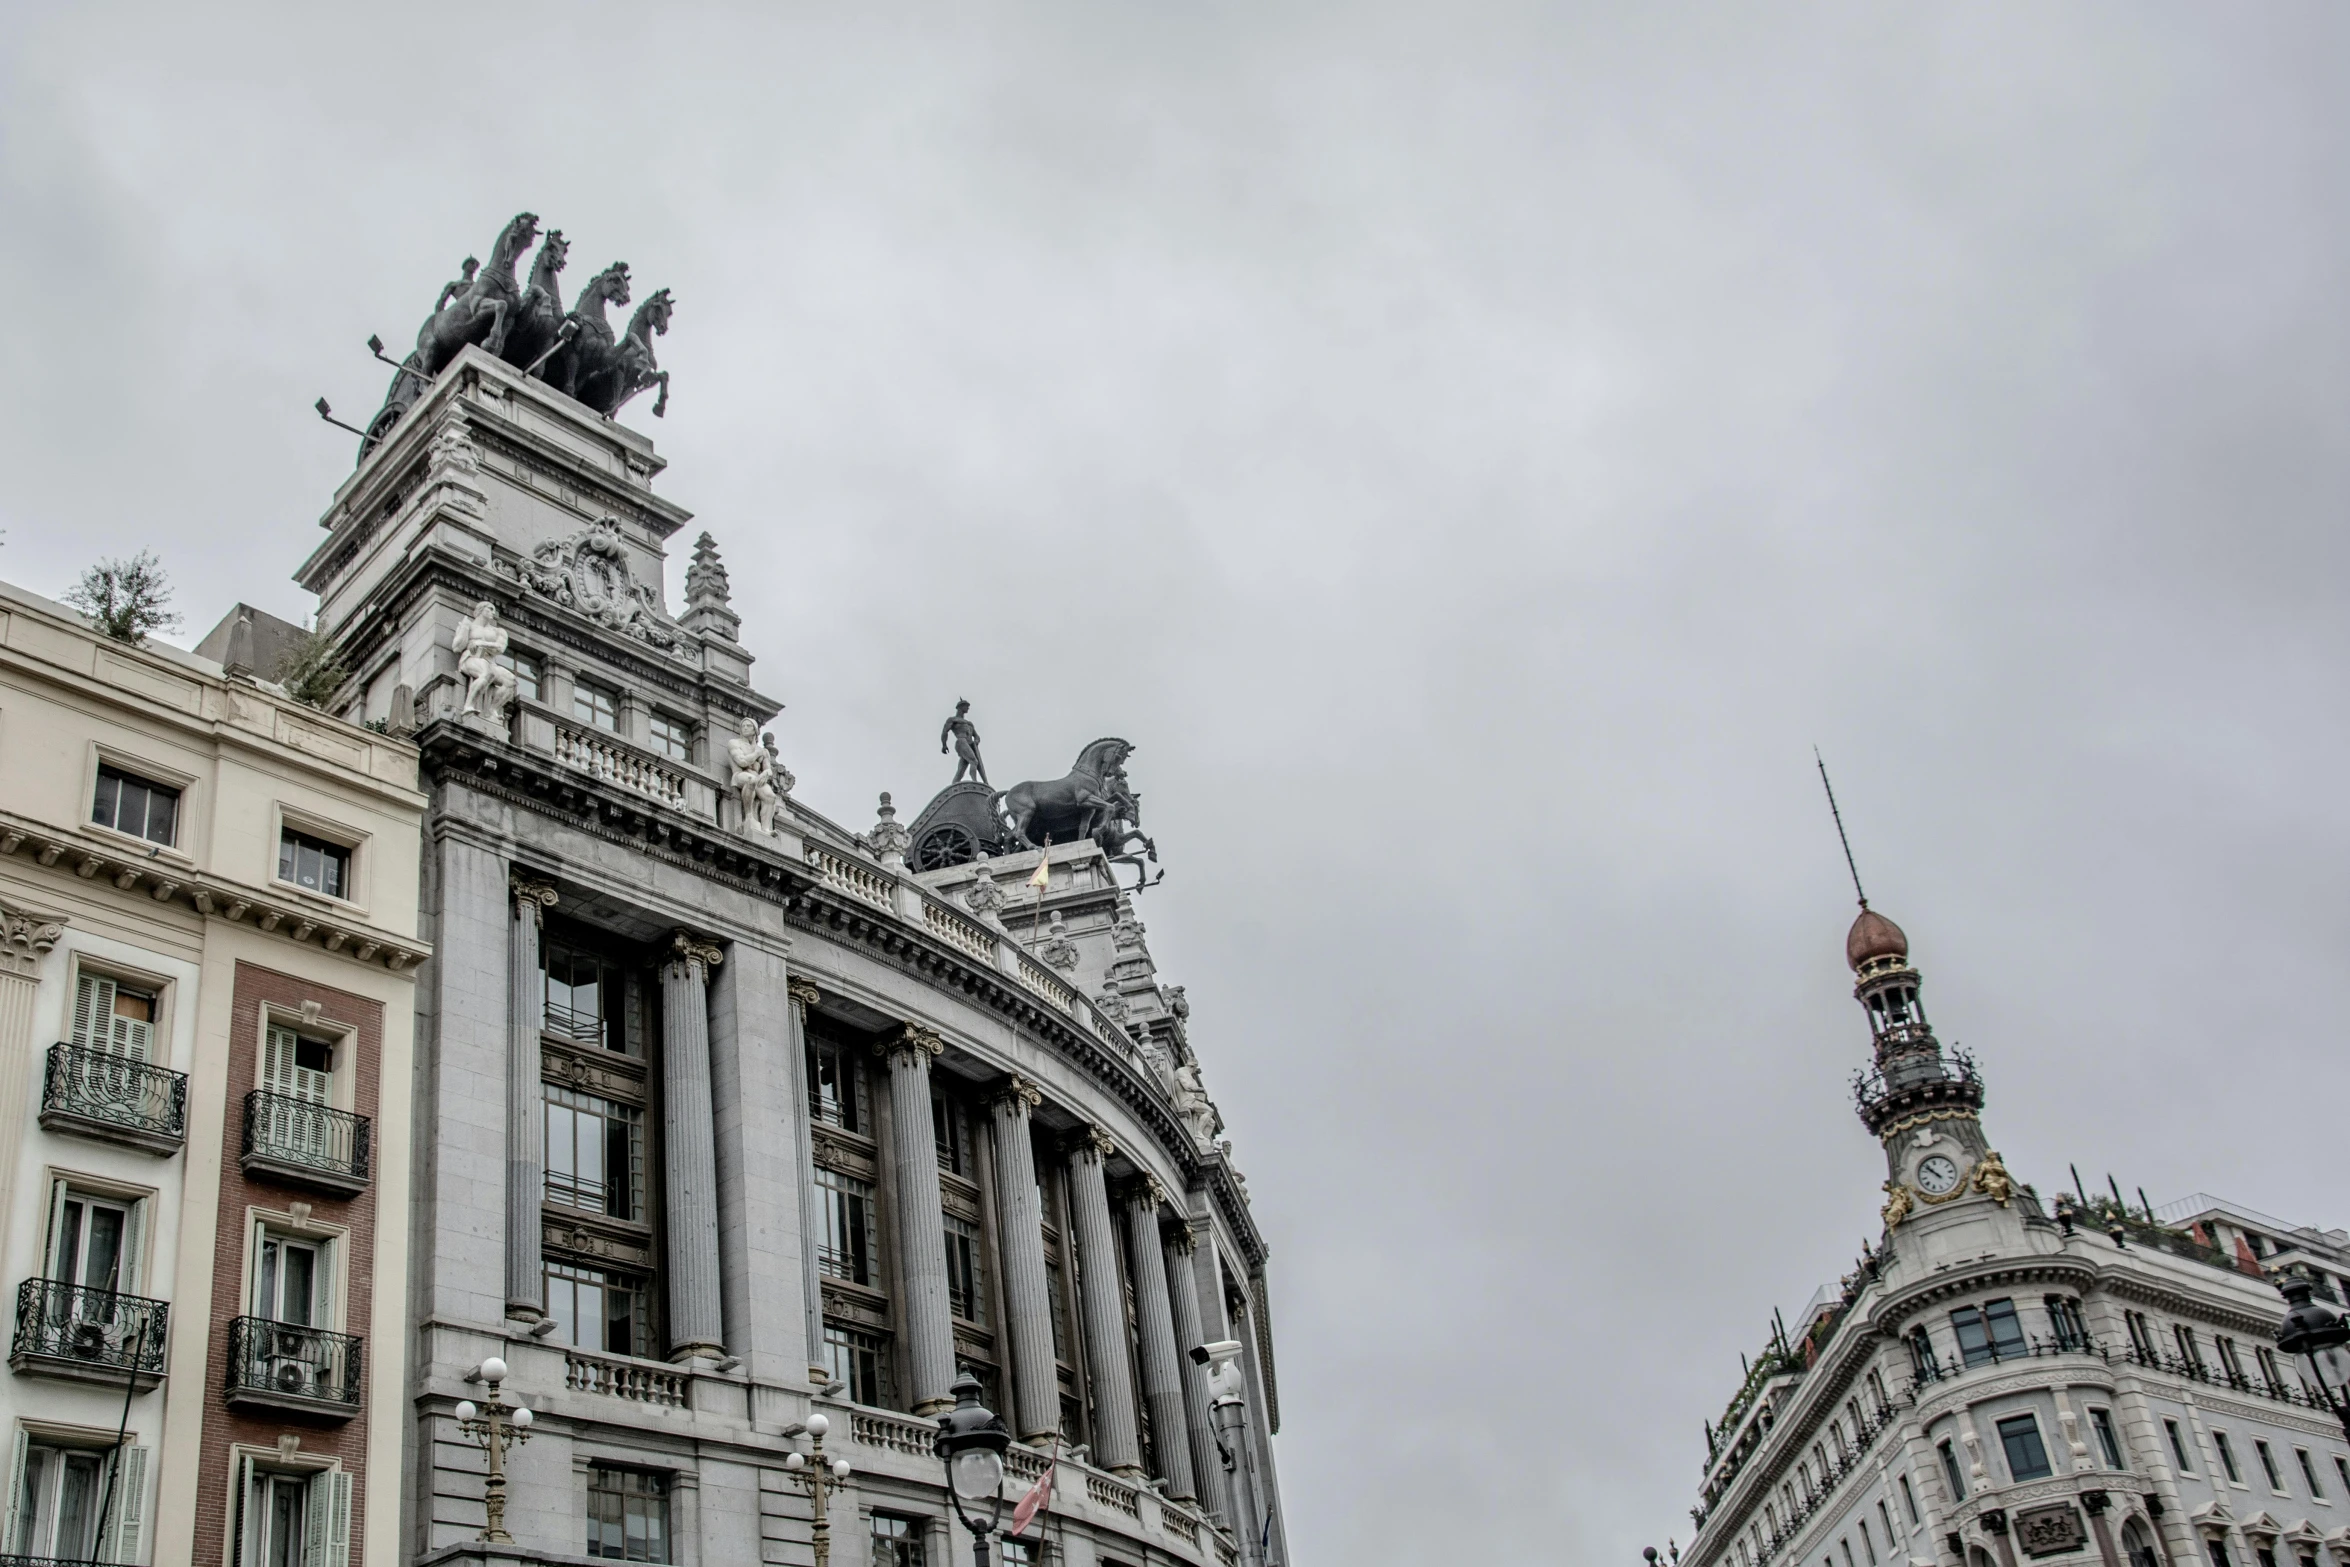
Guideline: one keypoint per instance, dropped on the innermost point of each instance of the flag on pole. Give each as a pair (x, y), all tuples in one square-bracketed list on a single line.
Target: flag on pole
[(1044, 869), (1038, 1499)]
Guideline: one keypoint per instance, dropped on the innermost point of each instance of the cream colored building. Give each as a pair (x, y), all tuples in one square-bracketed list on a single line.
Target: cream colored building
[(208, 899)]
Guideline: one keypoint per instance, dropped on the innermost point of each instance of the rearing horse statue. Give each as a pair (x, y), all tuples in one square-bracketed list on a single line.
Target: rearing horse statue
[(483, 312), (538, 320), (1069, 808), (632, 364), (591, 334)]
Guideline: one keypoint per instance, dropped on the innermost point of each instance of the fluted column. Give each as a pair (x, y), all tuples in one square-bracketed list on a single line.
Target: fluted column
[(1201, 1437), (1162, 1383), (1027, 1287), (925, 1331), (803, 996), (1116, 1445), (695, 1325), (526, 1121), (25, 939)]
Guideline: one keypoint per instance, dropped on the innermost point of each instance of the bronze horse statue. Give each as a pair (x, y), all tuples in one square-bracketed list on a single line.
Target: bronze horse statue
[(590, 342), (537, 323), (1118, 835), (1069, 808), (483, 313), (632, 367)]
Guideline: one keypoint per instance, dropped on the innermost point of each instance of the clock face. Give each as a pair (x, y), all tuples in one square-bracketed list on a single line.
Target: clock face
[(1936, 1175)]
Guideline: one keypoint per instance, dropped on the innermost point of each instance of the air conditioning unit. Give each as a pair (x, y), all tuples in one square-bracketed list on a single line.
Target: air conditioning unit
[(294, 1377), (87, 1340)]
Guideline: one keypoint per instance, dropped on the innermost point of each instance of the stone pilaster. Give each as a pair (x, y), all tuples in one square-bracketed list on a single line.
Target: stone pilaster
[(695, 1319), (25, 939), (1154, 1322), (1184, 1301), (1117, 1445), (526, 1005), (1027, 1287), (925, 1332), (761, 1163), (804, 996)]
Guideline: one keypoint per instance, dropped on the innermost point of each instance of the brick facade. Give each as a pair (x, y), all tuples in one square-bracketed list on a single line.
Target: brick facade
[(360, 1022)]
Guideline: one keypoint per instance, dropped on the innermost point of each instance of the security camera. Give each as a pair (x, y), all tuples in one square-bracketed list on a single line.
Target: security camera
[(1199, 1355)]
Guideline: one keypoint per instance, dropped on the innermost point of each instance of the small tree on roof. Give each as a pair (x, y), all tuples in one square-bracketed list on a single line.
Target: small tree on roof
[(126, 599)]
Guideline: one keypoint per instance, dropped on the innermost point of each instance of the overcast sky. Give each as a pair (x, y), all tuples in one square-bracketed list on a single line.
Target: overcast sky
[(1475, 453)]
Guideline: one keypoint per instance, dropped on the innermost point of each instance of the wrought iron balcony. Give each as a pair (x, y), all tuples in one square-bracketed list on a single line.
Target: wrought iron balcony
[(65, 1330), (97, 1093), (305, 1143), (1908, 1084), (284, 1365)]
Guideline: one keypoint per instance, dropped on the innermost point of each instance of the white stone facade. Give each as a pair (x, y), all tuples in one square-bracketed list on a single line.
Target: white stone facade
[(1010, 1179)]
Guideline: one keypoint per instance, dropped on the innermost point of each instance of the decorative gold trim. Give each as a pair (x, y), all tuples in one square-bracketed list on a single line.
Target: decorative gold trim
[(1990, 1177), (1897, 1203), (1920, 1119)]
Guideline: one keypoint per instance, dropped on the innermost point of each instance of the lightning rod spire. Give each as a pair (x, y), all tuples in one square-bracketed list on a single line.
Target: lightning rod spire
[(1841, 836)]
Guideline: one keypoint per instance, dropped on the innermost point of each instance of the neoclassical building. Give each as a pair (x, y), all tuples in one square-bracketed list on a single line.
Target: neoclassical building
[(727, 1113), (2004, 1382), (208, 961)]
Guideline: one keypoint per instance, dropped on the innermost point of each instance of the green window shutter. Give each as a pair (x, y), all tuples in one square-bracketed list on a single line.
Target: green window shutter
[(130, 1506)]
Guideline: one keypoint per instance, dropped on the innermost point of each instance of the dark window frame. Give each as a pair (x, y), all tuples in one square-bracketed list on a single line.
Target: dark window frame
[(2024, 1449), (107, 805)]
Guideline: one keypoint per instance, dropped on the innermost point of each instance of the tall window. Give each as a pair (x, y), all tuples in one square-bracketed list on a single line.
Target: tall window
[(2268, 1368), (897, 1542), (1020, 1553), (111, 1016), (2189, 1350), (1909, 1501), (849, 1249), (91, 1240), (2178, 1446), (2309, 1475), (527, 672), (950, 1126), (57, 1504), (313, 864), (129, 803), (593, 704), (595, 1153), (295, 1520), (1921, 1355), (672, 737), (2229, 1362), (2027, 1456), (1885, 1520), (2227, 1456), (2065, 1327), (836, 1086), (627, 1515), (2108, 1440), (583, 996), (1991, 1333), (2141, 1336), (966, 1274), (2268, 1466), (599, 1309), (1950, 1471), (290, 1285), (860, 1360)]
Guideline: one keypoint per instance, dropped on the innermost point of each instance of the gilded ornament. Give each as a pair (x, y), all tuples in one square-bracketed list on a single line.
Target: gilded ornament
[(1992, 1179), (1897, 1203)]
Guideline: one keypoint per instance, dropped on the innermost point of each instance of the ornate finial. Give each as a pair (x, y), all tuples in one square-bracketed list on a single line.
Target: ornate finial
[(1112, 1001), (708, 596), (889, 839), (1126, 931), (1057, 949), (983, 896)]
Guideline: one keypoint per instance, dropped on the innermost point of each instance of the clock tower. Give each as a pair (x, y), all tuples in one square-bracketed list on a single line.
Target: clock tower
[(1923, 1105)]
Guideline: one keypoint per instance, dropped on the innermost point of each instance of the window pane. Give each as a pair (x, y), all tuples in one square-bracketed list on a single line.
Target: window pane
[(1974, 1344), (847, 1249), (2007, 1334), (2027, 1458)]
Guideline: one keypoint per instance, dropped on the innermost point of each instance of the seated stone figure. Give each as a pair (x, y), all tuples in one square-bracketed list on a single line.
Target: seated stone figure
[(480, 642)]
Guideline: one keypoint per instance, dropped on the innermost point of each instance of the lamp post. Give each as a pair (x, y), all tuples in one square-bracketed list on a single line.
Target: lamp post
[(820, 1477), (496, 1426), (2309, 1333), (971, 1442)]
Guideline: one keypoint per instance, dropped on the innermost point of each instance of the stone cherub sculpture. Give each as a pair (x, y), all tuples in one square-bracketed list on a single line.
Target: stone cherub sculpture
[(750, 773), (965, 736), (480, 642)]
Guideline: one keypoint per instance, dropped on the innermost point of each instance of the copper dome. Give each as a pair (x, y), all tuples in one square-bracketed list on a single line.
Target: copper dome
[(1873, 936)]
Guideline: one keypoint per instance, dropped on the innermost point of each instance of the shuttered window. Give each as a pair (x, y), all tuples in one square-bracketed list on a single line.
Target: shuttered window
[(109, 1015)]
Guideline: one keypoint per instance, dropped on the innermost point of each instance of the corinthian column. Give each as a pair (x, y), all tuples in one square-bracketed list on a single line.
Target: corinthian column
[(803, 996), (526, 1123), (25, 939), (1207, 1472), (927, 1333), (1162, 1383), (1116, 1445), (695, 1326), (1027, 1287)]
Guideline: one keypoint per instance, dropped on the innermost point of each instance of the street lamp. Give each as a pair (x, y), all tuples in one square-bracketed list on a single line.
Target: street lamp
[(820, 1477), (2310, 1332), (496, 1426), (971, 1441)]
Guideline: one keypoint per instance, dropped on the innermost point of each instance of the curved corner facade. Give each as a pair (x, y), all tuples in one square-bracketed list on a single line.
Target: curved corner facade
[(725, 1116)]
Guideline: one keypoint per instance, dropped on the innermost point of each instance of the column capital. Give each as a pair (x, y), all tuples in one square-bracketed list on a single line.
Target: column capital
[(803, 995), (913, 1037), (1095, 1141), (1018, 1089), (1181, 1237), (26, 937), (695, 951), (1146, 1192), (531, 893)]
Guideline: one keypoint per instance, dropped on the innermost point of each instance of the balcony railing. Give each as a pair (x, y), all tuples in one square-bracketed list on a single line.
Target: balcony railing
[(305, 1142), (91, 1334), (98, 1093), (1915, 1082), (285, 1365)]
